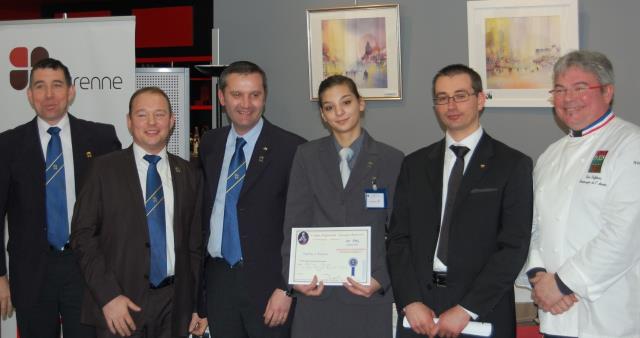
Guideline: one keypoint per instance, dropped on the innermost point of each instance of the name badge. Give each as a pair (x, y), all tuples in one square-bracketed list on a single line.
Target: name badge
[(375, 199)]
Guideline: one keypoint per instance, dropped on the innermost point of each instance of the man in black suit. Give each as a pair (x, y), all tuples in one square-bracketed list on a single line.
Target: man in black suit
[(246, 170), (136, 232), (46, 284), (461, 221)]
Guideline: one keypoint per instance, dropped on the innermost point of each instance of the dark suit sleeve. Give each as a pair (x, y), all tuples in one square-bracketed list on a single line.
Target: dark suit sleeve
[(503, 266), (85, 227), (113, 139), (298, 209), (196, 245), (5, 179), (404, 278), (380, 270)]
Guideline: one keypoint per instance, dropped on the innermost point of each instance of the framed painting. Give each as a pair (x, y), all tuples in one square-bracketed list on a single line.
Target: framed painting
[(513, 45), (361, 42)]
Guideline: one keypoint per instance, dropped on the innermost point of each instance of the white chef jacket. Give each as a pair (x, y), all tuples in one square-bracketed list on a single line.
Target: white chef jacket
[(586, 228)]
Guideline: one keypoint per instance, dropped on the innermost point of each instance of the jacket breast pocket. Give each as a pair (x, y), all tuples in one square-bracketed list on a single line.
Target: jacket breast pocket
[(482, 190)]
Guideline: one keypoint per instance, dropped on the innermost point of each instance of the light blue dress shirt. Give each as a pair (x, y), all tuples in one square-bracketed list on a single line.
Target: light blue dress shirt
[(214, 247)]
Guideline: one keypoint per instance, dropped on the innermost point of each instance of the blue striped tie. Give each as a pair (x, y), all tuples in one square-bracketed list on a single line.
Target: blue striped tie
[(231, 249), (154, 205), (57, 216)]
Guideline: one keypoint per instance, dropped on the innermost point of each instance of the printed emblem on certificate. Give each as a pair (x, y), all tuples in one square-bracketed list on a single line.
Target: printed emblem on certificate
[(331, 253)]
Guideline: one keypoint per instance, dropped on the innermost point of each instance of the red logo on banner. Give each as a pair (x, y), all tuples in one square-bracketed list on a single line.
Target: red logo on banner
[(19, 78)]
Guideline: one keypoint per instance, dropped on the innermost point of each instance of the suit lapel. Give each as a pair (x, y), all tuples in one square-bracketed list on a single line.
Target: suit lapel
[(214, 162), (177, 179), (330, 161), (434, 166), (33, 146), (365, 163), (260, 158), (81, 144), (132, 180), (476, 169), (34, 157)]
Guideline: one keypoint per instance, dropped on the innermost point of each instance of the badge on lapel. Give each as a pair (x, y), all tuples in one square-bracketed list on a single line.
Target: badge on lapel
[(88, 154), (261, 157)]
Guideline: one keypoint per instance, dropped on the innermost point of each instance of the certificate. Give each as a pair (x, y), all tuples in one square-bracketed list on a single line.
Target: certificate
[(331, 253)]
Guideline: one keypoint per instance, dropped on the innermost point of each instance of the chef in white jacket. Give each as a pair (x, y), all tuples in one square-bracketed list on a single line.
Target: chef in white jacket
[(584, 261)]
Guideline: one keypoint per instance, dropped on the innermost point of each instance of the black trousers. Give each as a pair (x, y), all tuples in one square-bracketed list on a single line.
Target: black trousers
[(157, 316), (231, 313), (443, 300), (59, 301)]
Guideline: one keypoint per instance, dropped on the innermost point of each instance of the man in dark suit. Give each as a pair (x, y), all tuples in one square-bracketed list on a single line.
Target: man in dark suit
[(461, 223), (37, 193), (246, 170), (136, 232)]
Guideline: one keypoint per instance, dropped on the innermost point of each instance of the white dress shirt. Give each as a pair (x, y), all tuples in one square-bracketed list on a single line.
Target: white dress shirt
[(164, 170), (470, 142), (67, 154)]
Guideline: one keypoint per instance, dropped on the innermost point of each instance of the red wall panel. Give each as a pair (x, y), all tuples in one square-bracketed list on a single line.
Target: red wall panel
[(164, 27)]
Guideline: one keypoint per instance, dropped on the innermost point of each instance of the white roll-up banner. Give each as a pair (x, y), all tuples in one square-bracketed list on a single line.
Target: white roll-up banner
[(100, 54)]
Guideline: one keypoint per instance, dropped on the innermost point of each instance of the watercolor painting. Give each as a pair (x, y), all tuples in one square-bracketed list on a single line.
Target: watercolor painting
[(356, 48), (521, 51), (514, 45), (361, 42)]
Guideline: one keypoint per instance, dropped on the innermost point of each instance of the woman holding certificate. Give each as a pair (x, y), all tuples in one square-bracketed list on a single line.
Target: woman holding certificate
[(342, 181)]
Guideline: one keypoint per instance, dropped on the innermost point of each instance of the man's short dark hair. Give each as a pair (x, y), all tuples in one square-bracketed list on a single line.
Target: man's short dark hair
[(242, 67), (457, 69), (149, 90), (50, 63)]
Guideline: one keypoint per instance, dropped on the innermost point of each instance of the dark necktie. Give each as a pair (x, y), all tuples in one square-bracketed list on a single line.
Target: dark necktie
[(57, 216), (454, 183), (154, 205), (231, 249)]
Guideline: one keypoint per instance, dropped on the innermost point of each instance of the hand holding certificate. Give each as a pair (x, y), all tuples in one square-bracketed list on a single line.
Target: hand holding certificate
[(330, 253)]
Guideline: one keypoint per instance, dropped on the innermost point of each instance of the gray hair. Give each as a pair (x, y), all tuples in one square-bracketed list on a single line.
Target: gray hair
[(592, 62)]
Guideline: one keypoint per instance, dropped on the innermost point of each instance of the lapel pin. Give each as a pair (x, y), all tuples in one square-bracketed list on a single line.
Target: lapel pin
[(369, 164), (261, 158), (482, 166), (178, 170), (265, 148), (88, 154)]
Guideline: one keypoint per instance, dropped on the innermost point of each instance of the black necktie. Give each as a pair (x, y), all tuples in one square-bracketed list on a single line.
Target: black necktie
[(454, 183)]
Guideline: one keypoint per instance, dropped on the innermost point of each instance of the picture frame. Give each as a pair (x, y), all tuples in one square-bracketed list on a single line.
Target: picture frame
[(513, 45), (361, 42)]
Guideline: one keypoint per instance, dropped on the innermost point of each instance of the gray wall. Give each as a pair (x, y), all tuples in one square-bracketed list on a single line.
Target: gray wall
[(273, 33)]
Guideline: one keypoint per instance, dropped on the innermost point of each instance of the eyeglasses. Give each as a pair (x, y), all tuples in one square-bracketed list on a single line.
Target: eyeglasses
[(577, 90), (457, 98)]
